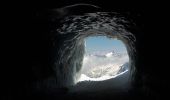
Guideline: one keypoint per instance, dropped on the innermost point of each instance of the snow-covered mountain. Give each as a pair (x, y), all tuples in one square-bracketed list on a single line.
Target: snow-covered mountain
[(104, 73), (107, 70), (106, 54), (124, 67), (103, 70), (104, 64), (109, 54)]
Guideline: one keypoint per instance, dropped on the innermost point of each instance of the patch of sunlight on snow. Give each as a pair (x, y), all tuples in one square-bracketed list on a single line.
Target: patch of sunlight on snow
[(106, 77)]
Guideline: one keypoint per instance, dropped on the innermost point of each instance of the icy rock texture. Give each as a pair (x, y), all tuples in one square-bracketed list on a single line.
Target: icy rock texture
[(69, 47)]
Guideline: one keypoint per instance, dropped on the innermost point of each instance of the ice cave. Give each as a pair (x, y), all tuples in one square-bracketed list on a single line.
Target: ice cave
[(85, 50), (69, 56)]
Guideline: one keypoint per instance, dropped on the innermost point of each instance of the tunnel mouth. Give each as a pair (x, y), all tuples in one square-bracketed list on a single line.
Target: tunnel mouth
[(69, 43), (120, 81), (105, 58)]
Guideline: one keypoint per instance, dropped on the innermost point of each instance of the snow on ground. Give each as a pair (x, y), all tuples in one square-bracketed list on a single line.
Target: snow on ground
[(116, 84), (106, 77)]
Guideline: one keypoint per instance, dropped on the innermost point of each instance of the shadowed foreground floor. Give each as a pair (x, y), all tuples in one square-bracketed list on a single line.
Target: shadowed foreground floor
[(108, 89)]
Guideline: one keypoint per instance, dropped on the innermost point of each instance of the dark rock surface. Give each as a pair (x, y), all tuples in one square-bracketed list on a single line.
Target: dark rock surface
[(30, 45)]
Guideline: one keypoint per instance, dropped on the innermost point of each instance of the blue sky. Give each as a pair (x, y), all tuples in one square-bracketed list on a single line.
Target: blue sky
[(102, 43)]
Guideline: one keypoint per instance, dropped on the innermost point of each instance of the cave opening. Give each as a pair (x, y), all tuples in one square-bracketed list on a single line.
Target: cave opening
[(105, 58), (69, 44), (107, 63)]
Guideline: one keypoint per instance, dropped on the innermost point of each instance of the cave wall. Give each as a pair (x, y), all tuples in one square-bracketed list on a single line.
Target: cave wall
[(75, 28), (29, 46)]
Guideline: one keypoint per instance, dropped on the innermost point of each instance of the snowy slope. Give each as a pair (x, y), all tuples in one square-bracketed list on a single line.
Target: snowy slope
[(105, 65)]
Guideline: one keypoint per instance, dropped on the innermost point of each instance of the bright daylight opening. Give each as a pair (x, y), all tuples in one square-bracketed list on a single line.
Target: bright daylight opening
[(104, 58)]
